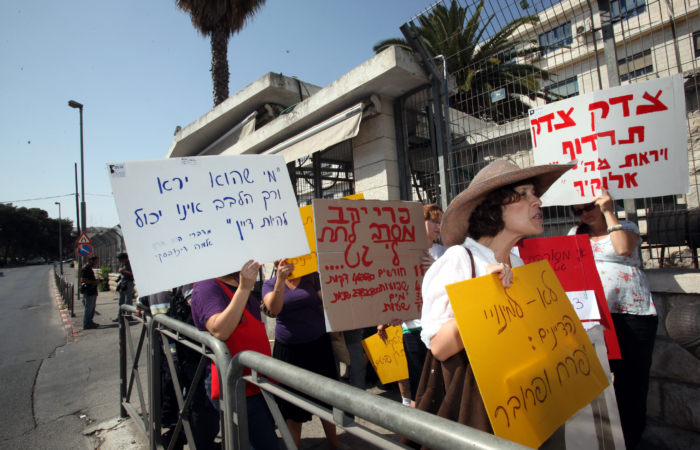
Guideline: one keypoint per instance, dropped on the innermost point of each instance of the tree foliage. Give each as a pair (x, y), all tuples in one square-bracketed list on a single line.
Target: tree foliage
[(30, 233), (481, 65), (220, 20)]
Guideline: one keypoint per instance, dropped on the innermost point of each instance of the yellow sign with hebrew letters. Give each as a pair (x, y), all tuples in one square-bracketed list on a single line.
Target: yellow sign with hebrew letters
[(531, 357), (387, 357), (306, 264)]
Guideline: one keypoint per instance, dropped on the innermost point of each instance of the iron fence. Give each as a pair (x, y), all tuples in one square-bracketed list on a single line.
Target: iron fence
[(160, 331), (66, 291), (107, 245), (498, 59)]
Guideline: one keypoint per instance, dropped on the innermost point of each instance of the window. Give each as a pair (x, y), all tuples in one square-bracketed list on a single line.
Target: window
[(635, 66), (696, 43), (624, 9), (560, 35), (563, 89)]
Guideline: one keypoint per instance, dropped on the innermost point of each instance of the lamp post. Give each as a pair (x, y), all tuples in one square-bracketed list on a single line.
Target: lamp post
[(74, 104), (60, 238)]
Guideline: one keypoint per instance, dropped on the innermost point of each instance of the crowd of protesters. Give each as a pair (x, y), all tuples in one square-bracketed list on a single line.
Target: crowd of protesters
[(478, 231)]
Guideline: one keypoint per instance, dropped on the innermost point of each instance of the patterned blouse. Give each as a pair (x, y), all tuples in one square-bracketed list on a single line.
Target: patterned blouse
[(626, 287)]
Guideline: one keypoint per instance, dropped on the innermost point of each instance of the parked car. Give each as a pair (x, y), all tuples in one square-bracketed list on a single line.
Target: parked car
[(36, 262)]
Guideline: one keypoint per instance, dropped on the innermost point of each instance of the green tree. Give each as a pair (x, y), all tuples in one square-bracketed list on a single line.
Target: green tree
[(220, 20), (30, 232), (480, 65)]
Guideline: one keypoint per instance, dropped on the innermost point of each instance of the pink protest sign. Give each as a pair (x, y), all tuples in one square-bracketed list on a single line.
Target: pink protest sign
[(630, 140)]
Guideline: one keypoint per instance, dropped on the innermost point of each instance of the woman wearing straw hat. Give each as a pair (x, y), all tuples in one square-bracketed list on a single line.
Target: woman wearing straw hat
[(480, 227)]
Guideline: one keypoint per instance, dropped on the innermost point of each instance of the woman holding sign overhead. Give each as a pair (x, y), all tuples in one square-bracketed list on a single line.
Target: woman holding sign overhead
[(480, 227), (225, 307), (614, 245), (300, 339)]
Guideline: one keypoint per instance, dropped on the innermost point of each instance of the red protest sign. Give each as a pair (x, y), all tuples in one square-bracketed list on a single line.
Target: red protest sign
[(571, 257)]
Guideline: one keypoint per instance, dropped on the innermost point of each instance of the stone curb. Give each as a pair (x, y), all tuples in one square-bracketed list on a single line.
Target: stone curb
[(71, 330)]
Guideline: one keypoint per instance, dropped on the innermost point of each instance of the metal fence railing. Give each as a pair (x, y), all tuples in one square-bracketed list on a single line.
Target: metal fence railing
[(66, 290), (419, 426), (493, 60), (160, 331)]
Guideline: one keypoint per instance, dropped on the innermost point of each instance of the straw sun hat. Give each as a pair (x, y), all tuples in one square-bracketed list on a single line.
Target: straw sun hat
[(455, 221)]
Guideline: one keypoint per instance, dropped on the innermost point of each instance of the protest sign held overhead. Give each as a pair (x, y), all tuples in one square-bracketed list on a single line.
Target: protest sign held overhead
[(190, 219), (571, 257), (306, 264), (630, 140), (369, 260), (388, 357), (531, 357)]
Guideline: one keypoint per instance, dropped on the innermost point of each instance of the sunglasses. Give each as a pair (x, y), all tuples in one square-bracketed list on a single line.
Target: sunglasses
[(586, 208)]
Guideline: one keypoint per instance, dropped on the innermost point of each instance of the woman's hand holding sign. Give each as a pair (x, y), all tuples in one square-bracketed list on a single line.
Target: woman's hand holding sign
[(274, 301), (505, 273)]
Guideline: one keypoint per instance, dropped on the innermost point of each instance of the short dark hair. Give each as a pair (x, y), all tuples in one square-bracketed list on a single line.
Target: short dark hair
[(122, 256), (431, 212), (487, 217), (92, 258)]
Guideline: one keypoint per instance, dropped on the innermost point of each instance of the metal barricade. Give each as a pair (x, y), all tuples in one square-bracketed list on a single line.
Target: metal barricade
[(159, 331), (164, 328), (419, 426), (66, 290), (131, 365)]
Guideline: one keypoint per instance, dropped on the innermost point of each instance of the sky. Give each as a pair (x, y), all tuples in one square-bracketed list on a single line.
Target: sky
[(140, 69)]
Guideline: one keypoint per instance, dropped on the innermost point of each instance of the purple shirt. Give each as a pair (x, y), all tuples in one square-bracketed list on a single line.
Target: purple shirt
[(209, 298), (301, 319)]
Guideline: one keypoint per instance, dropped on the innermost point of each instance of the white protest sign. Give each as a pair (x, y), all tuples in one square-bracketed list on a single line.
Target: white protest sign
[(630, 140), (584, 304), (190, 219)]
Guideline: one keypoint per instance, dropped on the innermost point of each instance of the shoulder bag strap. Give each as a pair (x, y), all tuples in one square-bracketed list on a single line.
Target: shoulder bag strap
[(471, 259)]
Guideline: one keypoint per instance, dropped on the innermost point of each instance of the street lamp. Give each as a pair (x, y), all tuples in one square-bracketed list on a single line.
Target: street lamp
[(74, 104), (60, 238)]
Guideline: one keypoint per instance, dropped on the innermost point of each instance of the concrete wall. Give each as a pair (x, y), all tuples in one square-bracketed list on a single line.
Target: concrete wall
[(374, 156), (673, 403)]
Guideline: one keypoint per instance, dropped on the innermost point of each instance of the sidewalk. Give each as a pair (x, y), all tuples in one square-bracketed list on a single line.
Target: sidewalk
[(82, 379)]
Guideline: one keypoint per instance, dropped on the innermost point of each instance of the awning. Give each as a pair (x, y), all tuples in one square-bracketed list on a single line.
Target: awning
[(235, 134), (338, 128)]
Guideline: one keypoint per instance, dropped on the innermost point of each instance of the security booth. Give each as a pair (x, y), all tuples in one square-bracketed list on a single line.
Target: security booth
[(337, 140)]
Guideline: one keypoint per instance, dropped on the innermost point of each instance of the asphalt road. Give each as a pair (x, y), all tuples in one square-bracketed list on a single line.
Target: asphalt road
[(31, 331)]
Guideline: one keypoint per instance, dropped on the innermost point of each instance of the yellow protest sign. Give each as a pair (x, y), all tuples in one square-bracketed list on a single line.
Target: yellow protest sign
[(306, 264), (388, 358), (532, 359)]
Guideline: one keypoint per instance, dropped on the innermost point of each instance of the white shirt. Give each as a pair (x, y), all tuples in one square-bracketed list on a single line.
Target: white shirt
[(453, 267), (436, 251)]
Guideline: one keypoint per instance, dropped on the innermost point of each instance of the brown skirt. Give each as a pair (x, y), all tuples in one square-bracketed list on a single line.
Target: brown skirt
[(449, 390)]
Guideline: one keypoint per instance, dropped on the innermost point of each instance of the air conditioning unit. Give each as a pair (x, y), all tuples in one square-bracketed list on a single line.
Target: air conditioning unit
[(586, 27)]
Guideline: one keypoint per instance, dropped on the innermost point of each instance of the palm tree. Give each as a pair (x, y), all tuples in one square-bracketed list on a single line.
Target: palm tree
[(219, 20), (481, 67)]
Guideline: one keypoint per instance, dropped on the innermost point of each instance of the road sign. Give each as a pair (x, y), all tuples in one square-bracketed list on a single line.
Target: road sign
[(85, 250), (83, 239)]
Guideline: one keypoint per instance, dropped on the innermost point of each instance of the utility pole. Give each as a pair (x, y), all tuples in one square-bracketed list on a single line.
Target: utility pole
[(60, 238)]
